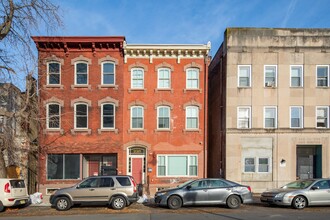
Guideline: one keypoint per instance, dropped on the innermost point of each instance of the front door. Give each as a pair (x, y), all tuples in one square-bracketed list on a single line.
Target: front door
[(137, 167), (309, 162)]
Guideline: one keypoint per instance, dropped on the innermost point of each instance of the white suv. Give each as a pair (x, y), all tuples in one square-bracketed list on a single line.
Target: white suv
[(13, 192)]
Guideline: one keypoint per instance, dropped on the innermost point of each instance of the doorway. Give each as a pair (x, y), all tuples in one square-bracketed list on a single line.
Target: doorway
[(137, 164), (309, 161)]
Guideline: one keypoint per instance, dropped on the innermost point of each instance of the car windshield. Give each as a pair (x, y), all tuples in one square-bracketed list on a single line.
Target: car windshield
[(185, 183), (299, 184)]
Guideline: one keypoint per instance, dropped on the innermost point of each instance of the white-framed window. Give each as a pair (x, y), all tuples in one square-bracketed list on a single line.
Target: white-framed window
[(108, 73), (63, 166), (270, 117), (296, 76), (163, 117), (137, 113), (108, 115), (177, 165), (192, 119), (322, 117), (244, 117), (256, 165), (54, 73), (322, 75), (296, 117), (244, 76), (192, 78), (137, 78), (81, 115), (270, 72), (53, 116), (81, 73), (164, 78)]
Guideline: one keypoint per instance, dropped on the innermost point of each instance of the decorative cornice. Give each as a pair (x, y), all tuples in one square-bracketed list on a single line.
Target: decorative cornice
[(54, 100), (108, 58), (81, 58), (81, 99), (53, 58), (192, 103), (137, 143), (108, 100), (192, 65), (137, 103), (138, 65), (164, 103), (164, 65)]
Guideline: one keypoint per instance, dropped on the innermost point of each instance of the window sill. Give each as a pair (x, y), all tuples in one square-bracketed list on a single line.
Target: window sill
[(108, 130), (163, 130), (53, 130), (81, 87), (192, 90), (270, 87), (192, 130), (115, 87), (53, 87), (322, 87), (137, 130), (81, 130), (296, 87), (244, 87), (164, 90), (137, 90)]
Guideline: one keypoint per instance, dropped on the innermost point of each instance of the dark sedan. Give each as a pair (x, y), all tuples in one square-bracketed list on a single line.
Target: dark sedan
[(205, 192)]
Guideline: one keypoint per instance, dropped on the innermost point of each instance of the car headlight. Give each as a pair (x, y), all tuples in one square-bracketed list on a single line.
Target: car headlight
[(161, 193), (280, 195)]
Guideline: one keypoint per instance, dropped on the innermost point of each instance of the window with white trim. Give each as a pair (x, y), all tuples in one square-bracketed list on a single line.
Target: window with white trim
[(249, 164), (81, 115), (192, 78), (177, 165), (270, 117), (137, 78), (63, 166), (244, 117), (54, 73), (137, 117), (192, 113), (296, 117), (53, 116), (259, 164), (270, 75), (81, 73), (322, 117), (244, 75), (322, 75), (163, 117), (296, 76), (164, 78), (263, 165), (108, 115), (108, 73)]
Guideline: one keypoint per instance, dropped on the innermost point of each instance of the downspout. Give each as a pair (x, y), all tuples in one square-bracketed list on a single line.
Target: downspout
[(206, 62)]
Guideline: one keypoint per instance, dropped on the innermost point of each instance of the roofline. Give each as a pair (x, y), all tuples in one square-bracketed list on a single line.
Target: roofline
[(72, 39)]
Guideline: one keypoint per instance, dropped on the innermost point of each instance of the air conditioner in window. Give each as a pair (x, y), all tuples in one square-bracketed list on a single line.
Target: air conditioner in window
[(270, 84)]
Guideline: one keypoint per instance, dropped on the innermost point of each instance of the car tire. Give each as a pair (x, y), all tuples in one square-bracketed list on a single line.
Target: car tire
[(299, 202), (174, 202), (118, 203), (2, 208), (233, 202), (62, 203)]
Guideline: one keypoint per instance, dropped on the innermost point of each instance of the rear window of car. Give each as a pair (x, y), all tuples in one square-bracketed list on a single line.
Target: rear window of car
[(17, 183), (123, 181)]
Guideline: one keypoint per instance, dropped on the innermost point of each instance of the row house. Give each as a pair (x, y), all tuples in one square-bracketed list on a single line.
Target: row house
[(269, 106), (114, 108)]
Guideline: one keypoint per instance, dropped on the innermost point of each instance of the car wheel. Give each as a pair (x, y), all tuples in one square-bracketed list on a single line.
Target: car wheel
[(2, 208), (118, 203), (62, 204), (174, 202), (299, 202), (233, 202)]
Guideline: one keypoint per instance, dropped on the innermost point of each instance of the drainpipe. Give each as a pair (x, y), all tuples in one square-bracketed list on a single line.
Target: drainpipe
[(206, 62)]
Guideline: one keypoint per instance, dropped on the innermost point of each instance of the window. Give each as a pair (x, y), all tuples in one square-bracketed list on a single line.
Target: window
[(249, 165), (164, 78), (53, 115), (244, 76), (108, 116), (81, 70), (163, 117), (63, 166), (322, 117), (244, 117), (192, 77), (322, 76), (296, 73), (137, 77), (81, 116), (137, 117), (108, 73), (263, 165), (192, 113), (177, 165), (270, 117), (296, 117), (124, 181), (270, 76), (54, 73)]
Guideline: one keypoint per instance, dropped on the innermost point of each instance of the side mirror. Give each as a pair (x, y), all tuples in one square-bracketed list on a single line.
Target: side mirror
[(188, 187), (315, 187)]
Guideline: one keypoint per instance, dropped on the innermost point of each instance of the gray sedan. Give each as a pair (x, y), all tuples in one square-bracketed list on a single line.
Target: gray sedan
[(205, 192), (300, 193)]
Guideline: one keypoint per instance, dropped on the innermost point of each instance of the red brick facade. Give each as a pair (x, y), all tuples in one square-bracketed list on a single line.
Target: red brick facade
[(69, 153)]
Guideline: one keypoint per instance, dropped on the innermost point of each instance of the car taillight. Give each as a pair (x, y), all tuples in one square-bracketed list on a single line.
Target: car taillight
[(7, 188), (249, 188), (134, 184)]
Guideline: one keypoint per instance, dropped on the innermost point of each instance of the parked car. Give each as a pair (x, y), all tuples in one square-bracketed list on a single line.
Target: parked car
[(208, 191), (115, 191), (13, 192), (300, 194)]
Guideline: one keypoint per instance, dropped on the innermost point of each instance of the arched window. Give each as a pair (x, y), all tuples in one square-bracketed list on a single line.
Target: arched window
[(81, 115), (164, 78), (192, 78), (81, 73), (53, 116), (163, 117), (192, 113), (53, 73), (137, 78), (137, 117), (108, 73), (108, 115)]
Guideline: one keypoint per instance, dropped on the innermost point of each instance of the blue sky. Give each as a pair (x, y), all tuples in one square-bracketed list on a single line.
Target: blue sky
[(185, 21)]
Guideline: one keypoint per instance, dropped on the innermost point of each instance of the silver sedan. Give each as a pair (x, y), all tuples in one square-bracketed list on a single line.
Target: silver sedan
[(300, 193)]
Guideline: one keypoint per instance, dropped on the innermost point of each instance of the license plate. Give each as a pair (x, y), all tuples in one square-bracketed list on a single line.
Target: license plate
[(22, 202)]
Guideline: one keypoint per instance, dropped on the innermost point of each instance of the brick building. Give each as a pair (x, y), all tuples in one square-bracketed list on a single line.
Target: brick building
[(110, 107)]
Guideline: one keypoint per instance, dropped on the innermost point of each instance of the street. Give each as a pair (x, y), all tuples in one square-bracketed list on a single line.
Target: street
[(151, 212)]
